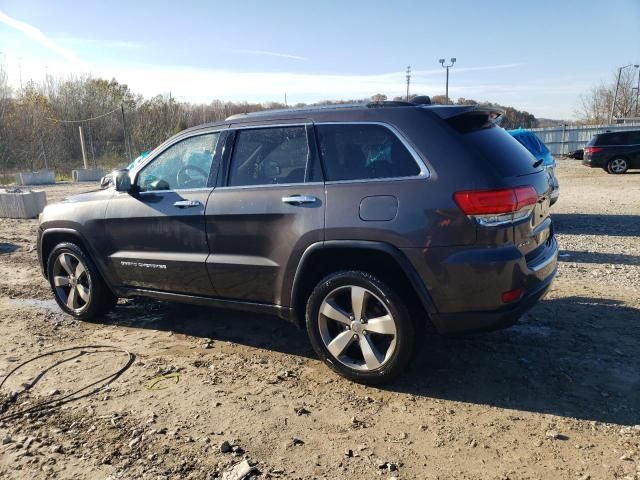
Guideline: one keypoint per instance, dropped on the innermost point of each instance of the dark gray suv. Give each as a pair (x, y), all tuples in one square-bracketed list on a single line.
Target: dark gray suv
[(359, 222)]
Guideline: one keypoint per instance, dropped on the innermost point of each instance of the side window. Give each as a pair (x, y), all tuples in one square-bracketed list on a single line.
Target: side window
[(361, 151), (182, 166), (633, 138), (266, 156)]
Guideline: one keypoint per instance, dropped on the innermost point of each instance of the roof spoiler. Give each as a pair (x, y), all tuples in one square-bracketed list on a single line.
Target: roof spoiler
[(449, 111), (469, 118)]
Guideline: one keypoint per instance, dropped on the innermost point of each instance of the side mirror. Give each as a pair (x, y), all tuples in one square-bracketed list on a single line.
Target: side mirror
[(121, 180), (105, 181)]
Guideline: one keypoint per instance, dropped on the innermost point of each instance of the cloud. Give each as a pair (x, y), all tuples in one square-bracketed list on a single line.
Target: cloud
[(457, 69), (39, 37), (270, 54)]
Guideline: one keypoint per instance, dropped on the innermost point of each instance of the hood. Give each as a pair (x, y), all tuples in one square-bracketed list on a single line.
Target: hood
[(89, 196)]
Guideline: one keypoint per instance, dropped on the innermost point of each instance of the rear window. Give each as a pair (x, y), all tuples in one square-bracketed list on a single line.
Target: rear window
[(363, 151), (616, 138), (503, 151)]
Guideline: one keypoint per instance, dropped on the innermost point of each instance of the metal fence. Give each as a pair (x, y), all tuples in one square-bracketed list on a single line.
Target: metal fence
[(562, 140)]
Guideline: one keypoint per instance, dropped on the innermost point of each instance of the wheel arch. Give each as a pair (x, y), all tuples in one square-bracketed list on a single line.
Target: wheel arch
[(54, 236), (378, 258)]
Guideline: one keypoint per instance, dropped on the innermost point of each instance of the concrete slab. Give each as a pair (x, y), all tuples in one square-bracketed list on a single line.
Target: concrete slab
[(87, 174), (20, 203), (43, 177)]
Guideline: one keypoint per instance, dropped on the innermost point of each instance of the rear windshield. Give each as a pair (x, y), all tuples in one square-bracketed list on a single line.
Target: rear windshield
[(504, 152)]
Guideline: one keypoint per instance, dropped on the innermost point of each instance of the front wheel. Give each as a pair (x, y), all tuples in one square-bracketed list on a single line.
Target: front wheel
[(77, 286), (360, 327), (617, 166)]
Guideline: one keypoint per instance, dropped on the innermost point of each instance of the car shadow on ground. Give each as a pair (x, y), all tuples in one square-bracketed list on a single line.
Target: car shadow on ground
[(596, 224), (572, 357), (597, 257)]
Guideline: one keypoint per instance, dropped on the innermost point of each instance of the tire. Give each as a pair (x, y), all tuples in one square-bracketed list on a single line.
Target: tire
[(76, 284), (388, 343), (617, 166)]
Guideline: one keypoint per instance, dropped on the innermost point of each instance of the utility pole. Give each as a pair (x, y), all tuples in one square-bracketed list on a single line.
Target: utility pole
[(408, 80), (124, 129), (84, 152), (285, 99), (638, 92), (453, 60), (615, 96)]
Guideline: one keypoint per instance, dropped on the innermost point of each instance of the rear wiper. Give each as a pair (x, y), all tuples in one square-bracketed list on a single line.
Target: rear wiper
[(537, 163)]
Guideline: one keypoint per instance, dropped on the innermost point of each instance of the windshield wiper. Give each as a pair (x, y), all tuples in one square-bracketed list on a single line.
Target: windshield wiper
[(537, 163)]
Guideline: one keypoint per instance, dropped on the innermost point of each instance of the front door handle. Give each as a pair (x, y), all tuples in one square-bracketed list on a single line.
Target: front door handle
[(187, 203), (299, 199)]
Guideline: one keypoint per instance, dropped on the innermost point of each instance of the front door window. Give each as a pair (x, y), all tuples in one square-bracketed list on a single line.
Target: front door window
[(184, 165)]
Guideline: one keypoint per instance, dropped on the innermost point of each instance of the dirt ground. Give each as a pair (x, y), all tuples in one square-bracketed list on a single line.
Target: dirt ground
[(557, 396)]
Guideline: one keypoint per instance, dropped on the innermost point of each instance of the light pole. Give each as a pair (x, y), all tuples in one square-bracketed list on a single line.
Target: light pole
[(615, 96), (453, 60), (638, 92)]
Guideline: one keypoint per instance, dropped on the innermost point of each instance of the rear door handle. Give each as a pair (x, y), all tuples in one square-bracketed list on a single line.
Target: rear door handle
[(299, 199), (187, 203)]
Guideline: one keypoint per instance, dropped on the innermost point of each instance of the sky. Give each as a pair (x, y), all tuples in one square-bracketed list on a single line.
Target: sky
[(537, 56)]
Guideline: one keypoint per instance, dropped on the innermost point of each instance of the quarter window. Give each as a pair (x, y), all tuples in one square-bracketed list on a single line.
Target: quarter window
[(184, 165), (267, 156), (361, 151)]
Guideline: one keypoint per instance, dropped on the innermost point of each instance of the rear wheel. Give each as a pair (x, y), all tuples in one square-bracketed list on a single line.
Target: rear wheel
[(360, 327), (77, 286), (617, 166)]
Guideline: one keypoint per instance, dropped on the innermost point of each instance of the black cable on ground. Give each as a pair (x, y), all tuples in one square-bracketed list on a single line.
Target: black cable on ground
[(49, 404)]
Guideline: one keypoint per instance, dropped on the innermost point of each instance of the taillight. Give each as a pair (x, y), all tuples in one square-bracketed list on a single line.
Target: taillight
[(496, 207), (592, 150)]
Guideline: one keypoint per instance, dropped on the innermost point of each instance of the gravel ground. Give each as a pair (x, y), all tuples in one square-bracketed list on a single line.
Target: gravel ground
[(556, 396)]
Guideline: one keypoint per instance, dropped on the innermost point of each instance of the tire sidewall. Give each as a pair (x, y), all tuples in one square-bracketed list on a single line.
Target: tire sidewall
[(404, 327)]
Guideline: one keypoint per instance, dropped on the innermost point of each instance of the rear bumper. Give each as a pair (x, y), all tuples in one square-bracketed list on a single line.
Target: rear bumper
[(467, 322), (466, 285), (594, 162)]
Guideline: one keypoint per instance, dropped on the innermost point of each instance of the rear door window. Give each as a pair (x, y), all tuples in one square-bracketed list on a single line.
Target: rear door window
[(363, 151), (267, 156)]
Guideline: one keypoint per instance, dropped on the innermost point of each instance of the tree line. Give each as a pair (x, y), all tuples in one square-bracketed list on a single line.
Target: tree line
[(39, 122)]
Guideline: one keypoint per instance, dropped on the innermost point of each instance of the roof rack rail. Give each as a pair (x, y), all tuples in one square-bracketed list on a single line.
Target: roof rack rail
[(390, 103), (296, 110)]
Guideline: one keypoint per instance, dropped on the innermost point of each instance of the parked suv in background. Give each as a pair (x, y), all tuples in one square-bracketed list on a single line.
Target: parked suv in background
[(615, 152), (358, 222)]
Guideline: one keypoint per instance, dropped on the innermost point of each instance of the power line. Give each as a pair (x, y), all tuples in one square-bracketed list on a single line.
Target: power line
[(86, 119)]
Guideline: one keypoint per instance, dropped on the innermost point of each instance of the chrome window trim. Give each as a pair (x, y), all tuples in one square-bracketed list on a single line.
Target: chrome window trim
[(269, 185), (424, 170)]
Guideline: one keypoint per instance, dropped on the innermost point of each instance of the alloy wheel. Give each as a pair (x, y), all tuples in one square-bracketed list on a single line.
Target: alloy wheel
[(618, 165), (357, 328), (71, 281)]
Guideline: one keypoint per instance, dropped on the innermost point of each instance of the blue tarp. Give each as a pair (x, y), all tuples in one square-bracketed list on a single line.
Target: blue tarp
[(532, 143)]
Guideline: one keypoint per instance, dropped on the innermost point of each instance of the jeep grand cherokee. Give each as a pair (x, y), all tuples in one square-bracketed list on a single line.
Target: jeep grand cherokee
[(357, 222)]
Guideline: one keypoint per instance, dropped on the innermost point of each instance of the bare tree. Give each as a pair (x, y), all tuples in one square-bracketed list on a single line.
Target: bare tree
[(594, 106)]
